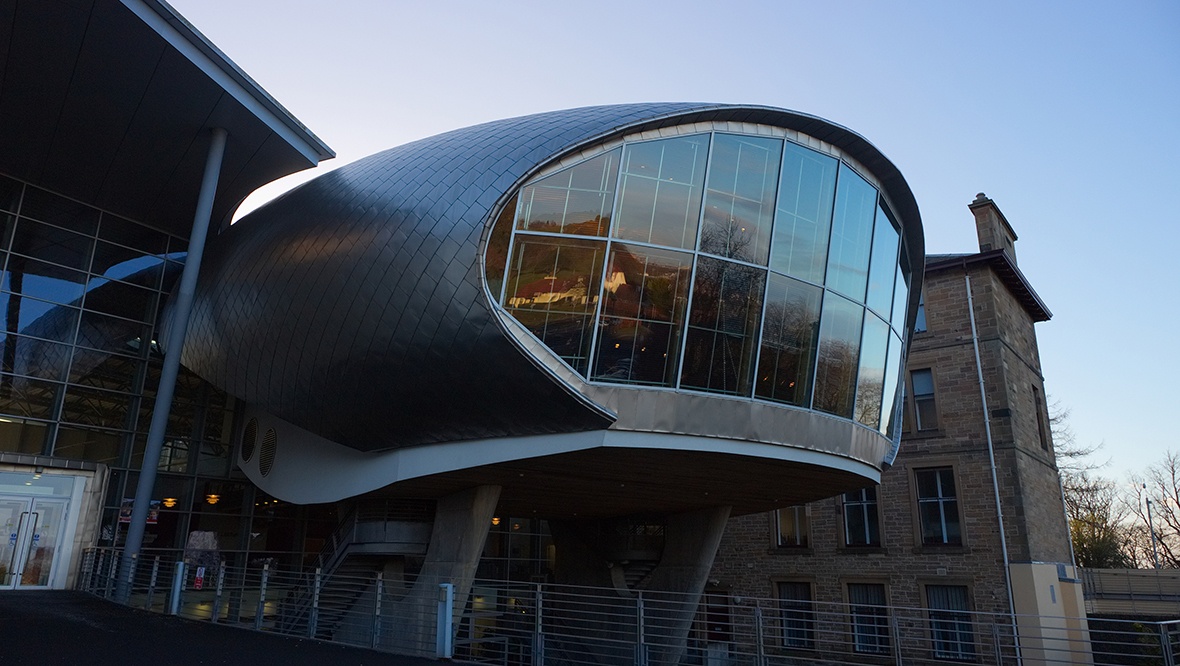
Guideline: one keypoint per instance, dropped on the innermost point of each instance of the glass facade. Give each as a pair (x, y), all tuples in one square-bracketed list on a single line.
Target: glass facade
[(714, 261), (81, 294)]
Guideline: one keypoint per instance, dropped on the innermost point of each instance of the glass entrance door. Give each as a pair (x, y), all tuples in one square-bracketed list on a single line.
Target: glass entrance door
[(32, 532)]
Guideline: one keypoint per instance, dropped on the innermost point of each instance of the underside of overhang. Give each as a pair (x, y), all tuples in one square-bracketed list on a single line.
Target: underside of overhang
[(116, 111)]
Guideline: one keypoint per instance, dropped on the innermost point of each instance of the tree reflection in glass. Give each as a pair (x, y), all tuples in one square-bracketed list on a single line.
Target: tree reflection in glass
[(660, 191), (789, 335), (553, 286), (739, 200), (575, 201), (644, 297), (839, 348), (723, 327)]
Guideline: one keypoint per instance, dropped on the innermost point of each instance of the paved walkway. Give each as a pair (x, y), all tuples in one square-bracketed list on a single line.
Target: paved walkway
[(75, 628)]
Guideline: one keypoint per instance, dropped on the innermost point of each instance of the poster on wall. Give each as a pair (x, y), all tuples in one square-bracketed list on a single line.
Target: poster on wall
[(128, 505)]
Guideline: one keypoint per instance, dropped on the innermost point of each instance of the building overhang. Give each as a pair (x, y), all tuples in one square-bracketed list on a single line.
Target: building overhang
[(115, 111)]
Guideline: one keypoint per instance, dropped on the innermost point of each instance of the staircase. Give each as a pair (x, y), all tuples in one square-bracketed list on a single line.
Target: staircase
[(373, 535)]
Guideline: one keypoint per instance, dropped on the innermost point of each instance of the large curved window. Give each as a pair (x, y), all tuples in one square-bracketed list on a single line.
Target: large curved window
[(745, 265)]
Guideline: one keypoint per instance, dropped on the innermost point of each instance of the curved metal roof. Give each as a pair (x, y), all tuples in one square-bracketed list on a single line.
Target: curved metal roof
[(354, 306)]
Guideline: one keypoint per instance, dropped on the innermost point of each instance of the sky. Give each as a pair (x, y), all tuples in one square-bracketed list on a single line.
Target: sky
[(1066, 114)]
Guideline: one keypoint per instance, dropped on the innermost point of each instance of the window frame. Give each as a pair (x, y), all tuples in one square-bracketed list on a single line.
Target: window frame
[(967, 649), (800, 611), (800, 544), (917, 500), (916, 400), (863, 506), (880, 621)]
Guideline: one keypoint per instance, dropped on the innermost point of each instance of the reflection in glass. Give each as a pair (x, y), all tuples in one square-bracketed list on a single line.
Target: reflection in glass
[(645, 294), (852, 231), (889, 401), (870, 383), (58, 246), (739, 199), (92, 407), (87, 444), (901, 292), (121, 299), (104, 370), (789, 335), (804, 214), (119, 263), (43, 281), (660, 191), (496, 256), (839, 348), (10, 191), (552, 289), (883, 264), (132, 234), (21, 436), (39, 319), (32, 398), (723, 327), (34, 358), (99, 331), (577, 200), (59, 211)]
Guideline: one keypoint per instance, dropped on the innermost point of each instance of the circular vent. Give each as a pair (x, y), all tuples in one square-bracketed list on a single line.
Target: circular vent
[(266, 452), (249, 440)]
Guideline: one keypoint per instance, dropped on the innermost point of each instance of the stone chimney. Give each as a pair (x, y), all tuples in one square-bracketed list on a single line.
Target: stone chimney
[(992, 227)]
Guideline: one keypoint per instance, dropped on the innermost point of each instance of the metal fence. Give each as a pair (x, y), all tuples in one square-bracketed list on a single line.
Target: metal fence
[(539, 624)]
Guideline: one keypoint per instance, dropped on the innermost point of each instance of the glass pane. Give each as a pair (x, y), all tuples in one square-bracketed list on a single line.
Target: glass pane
[(33, 398), (87, 406), (104, 370), (660, 191), (901, 292), (20, 436), (789, 335), (52, 244), (870, 381), (645, 295), (739, 201), (723, 327), (48, 517), (927, 482), (59, 211), (553, 287), (803, 218), (86, 444), (889, 402), (883, 266), (946, 479), (931, 522), (852, 231), (10, 194), (34, 358), (43, 281), (98, 331), (839, 349), (132, 234), (854, 517), (38, 318), (120, 263), (496, 256), (7, 229), (577, 200), (122, 300), (923, 382), (214, 496)]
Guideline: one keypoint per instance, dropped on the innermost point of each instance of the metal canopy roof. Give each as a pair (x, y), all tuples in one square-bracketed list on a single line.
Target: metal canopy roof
[(111, 102)]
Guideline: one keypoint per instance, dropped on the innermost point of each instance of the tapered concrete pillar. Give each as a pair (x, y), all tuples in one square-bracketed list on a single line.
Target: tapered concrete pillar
[(461, 524), (677, 583)]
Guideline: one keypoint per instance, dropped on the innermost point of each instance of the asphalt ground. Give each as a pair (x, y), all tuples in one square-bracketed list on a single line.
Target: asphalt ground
[(58, 627)]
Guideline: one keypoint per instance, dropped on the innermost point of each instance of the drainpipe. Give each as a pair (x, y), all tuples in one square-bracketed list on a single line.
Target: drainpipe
[(991, 452), (175, 342)]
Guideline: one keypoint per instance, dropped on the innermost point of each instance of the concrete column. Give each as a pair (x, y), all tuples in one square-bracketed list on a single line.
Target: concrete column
[(461, 524), (677, 583)]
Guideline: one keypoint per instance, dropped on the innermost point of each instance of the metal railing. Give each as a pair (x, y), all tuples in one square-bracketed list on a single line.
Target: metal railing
[(537, 624)]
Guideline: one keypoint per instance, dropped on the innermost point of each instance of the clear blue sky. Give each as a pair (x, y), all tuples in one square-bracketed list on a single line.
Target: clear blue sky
[(1067, 114)]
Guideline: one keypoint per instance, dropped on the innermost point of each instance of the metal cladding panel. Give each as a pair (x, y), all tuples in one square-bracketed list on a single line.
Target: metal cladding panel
[(354, 306)]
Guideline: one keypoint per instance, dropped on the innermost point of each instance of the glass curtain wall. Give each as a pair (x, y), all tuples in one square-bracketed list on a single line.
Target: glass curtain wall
[(81, 293), (717, 262)]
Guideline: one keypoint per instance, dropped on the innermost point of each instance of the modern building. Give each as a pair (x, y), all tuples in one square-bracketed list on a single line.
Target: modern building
[(975, 432), (108, 113), (626, 323)]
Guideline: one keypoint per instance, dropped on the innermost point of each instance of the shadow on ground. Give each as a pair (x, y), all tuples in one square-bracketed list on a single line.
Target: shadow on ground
[(40, 627)]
